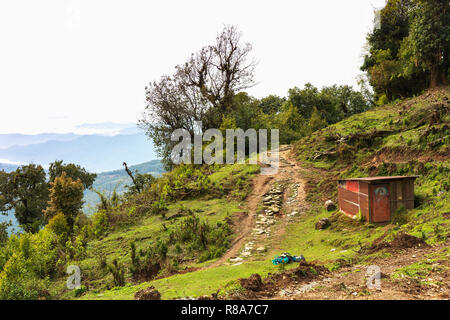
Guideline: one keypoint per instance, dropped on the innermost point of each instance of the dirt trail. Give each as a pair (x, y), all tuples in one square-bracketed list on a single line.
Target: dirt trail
[(288, 175), (260, 186)]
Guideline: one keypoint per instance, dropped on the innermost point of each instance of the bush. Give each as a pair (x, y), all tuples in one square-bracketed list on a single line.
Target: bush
[(118, 273), (200, 236), (100, 224), (79, 291), (159, 207), (162, 249), (58, 224), (18, 280), (400, 216)]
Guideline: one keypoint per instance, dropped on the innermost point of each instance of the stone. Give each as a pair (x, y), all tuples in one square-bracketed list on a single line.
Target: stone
[(148, 294), (322, 224), (261, 249), (238, 259), (330, 206)]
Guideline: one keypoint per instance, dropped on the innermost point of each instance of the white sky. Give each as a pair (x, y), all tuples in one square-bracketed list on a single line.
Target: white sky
[(67, 62)]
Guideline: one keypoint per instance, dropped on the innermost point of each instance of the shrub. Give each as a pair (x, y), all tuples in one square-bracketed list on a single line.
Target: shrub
[(162, 249), (58, 224), (79, 291), (400, 216), (135, 262), (118, 273), (101, 261), (100, 224), (159, 207), (18, 280)]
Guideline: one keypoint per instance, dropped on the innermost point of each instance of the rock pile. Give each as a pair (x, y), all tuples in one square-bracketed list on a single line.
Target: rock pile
[(148, 294), (273, 199), (322, 224)]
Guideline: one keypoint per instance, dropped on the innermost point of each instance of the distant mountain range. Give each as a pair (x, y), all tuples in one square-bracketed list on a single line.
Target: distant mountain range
[(103, 153), (18, 139), (96, 153)]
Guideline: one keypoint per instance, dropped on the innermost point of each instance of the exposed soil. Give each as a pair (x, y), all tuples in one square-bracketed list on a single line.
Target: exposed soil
[(274, 283), (313, 281), (147, 294), (245, 222), (401, 241)]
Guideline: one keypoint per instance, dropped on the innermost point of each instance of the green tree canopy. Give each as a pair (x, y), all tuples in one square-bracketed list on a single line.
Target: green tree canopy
[(73, 171), (26, 191), (66, 197), (408, 50)]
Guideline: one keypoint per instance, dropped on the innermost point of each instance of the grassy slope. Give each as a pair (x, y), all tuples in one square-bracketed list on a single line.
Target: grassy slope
[(366, 152), (146, 230)]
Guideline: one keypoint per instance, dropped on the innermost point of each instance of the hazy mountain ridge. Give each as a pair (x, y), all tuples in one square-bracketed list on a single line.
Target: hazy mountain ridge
[(96, 153), (18, 139)]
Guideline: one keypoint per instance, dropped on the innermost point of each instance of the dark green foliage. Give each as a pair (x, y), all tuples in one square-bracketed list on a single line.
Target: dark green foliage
[(73, 171), (143, 182), (200, 236), (79, 291), (118, 273), (400, 216), (26, 191), (4, 232), (271, 104), (409, 50)]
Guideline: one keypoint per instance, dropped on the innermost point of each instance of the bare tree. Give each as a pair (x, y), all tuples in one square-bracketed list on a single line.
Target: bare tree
[(202, 89), (220, 71)]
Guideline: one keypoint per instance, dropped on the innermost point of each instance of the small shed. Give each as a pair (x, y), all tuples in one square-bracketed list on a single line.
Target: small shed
[(376, 197)]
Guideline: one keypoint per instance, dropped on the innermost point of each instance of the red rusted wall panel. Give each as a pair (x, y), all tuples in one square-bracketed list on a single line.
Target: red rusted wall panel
[(349, 208), (349, 195), (353, 186), (348, 201)]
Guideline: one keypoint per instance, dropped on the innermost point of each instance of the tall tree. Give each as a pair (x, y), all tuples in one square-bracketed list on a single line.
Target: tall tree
[(428, 43), (26, 192), (408, 52), (73, 171), (202, 89), (66, 197)]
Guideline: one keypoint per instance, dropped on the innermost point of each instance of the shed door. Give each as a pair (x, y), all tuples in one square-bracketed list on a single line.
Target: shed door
[(381, 203)]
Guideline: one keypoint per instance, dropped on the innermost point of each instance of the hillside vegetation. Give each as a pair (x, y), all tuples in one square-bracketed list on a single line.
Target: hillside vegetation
[(177, 234), (405, 137), (117, 180)]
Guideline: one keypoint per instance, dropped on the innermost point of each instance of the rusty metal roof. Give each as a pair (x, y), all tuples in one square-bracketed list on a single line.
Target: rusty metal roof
[(371, 179)]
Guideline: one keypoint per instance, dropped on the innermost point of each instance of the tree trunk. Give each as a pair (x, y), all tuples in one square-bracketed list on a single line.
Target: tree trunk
[(438, 77)]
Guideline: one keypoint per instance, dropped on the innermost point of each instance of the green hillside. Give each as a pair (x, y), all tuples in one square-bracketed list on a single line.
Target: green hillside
[(408, 137)]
